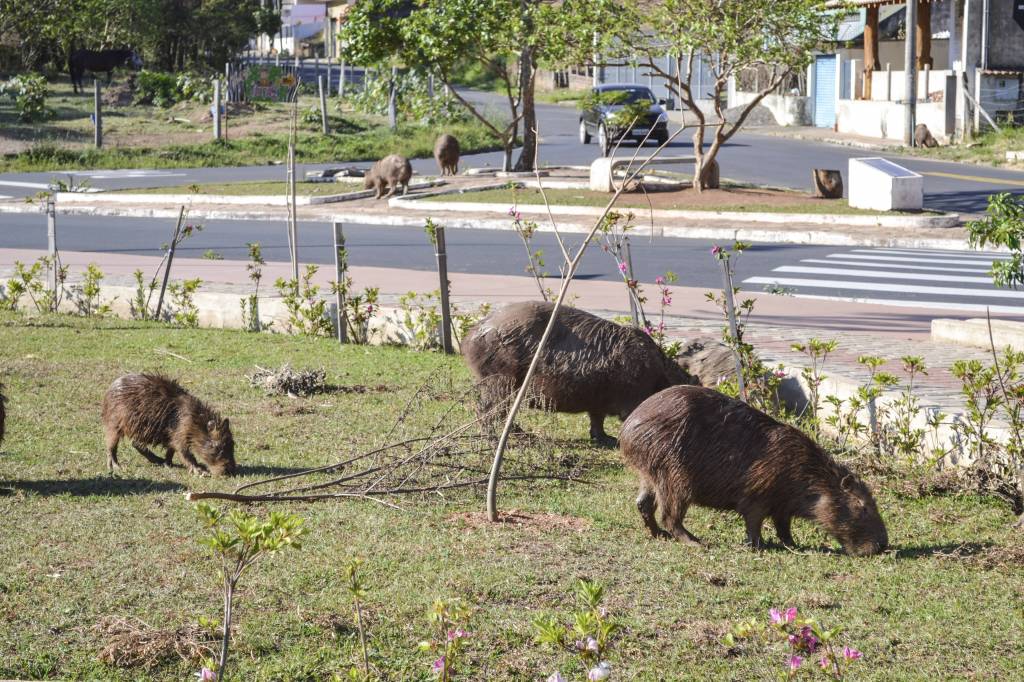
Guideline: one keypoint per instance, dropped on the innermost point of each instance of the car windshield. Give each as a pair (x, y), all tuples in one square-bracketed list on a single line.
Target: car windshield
[(627, 95)]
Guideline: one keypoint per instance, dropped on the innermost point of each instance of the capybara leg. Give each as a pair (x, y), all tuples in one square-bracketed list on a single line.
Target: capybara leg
[(112, 440), (782, 529), (405, 189), (647, 504), (147, 453), (754, 520), (680, 533), (391, 192), (169, 457), (193, 466), (597, 433)]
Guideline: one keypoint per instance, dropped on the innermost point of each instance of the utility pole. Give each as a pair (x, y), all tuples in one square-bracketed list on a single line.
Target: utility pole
[(910, 74)]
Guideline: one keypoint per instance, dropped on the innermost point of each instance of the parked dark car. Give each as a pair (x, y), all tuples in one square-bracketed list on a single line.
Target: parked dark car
[(599, 116)]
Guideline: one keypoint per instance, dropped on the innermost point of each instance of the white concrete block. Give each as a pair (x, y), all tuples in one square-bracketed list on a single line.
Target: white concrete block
[(601, 175), (881, 185), (974, 332)]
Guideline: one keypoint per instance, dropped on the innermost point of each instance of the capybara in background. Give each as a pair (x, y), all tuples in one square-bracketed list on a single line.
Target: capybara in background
[(589, 364), (446, 153), (149, 409), (923, 137), (392, 172), (693, 445)]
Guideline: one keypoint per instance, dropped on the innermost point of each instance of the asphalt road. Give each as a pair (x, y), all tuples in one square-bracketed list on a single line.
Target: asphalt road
[(748, 157), (945, 280)]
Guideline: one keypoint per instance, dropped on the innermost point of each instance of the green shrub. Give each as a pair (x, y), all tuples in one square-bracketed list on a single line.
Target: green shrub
[(194, 87), (156, 88), (29, 94)]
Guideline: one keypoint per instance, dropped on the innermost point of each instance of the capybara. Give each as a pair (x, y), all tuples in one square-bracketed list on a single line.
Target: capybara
[(589, 364), (694, 445), (150, 409), (391, 172), (446, 153), (923, 137)]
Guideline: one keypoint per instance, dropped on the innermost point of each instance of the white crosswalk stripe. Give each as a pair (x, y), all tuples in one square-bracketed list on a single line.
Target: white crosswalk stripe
[(951, 280)]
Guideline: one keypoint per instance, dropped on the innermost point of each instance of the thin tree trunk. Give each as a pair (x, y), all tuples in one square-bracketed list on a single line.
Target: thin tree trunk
[(229, 594), (528, 155)]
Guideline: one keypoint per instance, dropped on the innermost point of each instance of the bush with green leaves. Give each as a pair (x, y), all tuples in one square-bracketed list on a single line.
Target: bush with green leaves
[(358, 308), (156, 88), (1003, 225), (238, 540), (251, 303), (413, 99), (307, 312), (29, 94), (31, 281), (587, 641), (183, 311), (88, 293)]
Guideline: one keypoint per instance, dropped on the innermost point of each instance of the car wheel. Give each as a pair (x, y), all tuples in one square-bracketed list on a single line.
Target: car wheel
[(661, 139), (584, 135), (602, 140)]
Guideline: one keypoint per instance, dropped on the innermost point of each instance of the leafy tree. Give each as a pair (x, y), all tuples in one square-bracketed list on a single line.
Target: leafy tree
[(1003, 225), (731, 36), (506, 38)]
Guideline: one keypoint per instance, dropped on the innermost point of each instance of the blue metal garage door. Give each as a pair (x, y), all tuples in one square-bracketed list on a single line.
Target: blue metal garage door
[(825, 90)]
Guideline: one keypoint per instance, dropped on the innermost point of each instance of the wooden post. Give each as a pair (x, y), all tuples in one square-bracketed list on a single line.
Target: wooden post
[(341, 80), (924, 35), (97, 112), (888, 82), (216, 108), (340, 272), (393, 99), (323, 103), (292, 219), (730, 309), (442, 273), (329, 64), (871, 62), (51, 240), (170, 259), (632, 296)]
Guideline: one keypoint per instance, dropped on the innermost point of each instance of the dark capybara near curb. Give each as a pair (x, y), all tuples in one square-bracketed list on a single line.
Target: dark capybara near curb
[(392, 172), (150, 409), (446, 153), (693, 445), (589, 364), (923, 137)]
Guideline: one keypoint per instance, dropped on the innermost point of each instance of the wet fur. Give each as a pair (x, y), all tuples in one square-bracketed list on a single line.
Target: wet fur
[(589, 364), (150, 409), (392, 172), (446, 153), (693, 445)]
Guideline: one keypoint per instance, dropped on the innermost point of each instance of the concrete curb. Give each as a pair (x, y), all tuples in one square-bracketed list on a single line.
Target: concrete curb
[(902, 221), (974, 332)]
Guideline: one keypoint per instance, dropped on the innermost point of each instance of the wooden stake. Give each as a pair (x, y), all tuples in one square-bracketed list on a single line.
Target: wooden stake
[(216, 108), (629, 274), (51, 238), (170, 259), (323, 103), (442, 273), (293, 243), (730, 308), (97, 112), (340, 271)]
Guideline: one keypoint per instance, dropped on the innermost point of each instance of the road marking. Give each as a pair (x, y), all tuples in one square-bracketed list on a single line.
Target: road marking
[(943, 305), (30, 185), (129, 174), (885, 274), (977, 178), (932, 254), (900, 259), (938, 268), (5, 196), (883, 286)]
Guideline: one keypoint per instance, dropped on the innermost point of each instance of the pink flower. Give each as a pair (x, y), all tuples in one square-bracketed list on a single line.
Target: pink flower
[(795, 662), (591, 644), (206, 675), (600, 672), (556, 677), (778, 617), (715, 250), (790, 614), (808, 640), (457, 633), (512, 211), (825, 662), (780, 373), (666, 300), (851, 654), (438, 665), (519, 216), (369, 309), (659, 280), (622, 268)]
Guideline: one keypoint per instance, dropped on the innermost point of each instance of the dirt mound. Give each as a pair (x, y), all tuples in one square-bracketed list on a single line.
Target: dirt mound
[(119, 94)]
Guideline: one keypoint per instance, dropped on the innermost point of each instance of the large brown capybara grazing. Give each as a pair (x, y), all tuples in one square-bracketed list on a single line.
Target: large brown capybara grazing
[(693, 445), (589, 364), (392, 172), (446, 153), (149, 410)]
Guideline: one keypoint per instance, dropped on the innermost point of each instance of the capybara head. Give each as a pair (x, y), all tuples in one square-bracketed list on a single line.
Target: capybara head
[(849, 513), (215, 447)]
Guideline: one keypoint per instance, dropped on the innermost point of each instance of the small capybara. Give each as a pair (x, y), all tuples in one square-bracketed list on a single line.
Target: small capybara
[(392, 172), (923, 137), (589, 364), (446, 153), (694, 445), (150, 409)]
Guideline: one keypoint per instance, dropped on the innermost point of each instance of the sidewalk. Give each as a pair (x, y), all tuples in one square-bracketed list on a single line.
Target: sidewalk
[(777, 322)]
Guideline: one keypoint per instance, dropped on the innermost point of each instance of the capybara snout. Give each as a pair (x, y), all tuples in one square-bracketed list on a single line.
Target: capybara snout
[(150, 410), (693, 445)]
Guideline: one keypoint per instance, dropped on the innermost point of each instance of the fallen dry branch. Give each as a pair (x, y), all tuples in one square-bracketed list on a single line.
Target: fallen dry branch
[(287, 381)]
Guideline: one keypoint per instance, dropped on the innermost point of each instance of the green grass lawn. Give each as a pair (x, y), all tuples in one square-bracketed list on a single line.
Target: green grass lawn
[(253, 188), (582, 197), (79, 546), (152, 137)]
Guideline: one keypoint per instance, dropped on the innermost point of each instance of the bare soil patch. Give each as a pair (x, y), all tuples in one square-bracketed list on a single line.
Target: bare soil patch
[(524, 520)]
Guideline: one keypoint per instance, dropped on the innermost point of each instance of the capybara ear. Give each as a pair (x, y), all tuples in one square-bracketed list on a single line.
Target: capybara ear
[(224, 424)]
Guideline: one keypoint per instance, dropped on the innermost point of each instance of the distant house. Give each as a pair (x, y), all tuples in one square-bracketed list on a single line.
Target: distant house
[(303, 24), (969, 58)]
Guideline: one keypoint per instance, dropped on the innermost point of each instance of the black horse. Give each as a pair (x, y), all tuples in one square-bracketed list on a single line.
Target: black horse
[(98, 61)]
